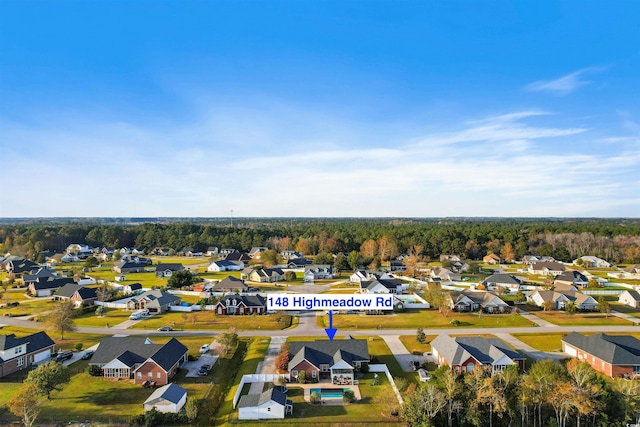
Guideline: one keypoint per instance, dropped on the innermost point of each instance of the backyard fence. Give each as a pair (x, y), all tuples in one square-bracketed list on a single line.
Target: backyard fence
[(256, 378), (383, 368)]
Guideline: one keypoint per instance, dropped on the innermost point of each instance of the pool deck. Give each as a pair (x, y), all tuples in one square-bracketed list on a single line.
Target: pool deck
[(307, 391)]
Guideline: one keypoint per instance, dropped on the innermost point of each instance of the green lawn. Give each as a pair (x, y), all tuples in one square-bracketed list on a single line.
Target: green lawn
[(422, 318), (625, 309), (34, 306), (548, 341), (112, 317), (582, 319), (68, 343), (412, 345), (207, 320)]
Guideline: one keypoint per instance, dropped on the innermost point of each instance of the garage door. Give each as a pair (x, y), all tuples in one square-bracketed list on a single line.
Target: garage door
[(39, 357), (570, 351)]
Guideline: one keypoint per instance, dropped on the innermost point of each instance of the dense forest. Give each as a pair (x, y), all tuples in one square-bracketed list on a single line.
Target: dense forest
[(616, 240)]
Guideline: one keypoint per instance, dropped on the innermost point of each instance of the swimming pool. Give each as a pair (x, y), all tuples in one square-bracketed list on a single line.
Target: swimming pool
[(329, 393)]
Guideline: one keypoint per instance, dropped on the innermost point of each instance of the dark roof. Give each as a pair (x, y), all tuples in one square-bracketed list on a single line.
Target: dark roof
[(251, 400), (237, 256), (248, 300), (135, 286), (35, 342), (230, 282), (170, 392), (169, 266), (169, 354), (42, 272), (68, 290), (130, 359), (299, 262), (634, 294), (390, 284), (323, 351), (112, 347), (157, 298), (572, 276), (613, 349), (502, 278), (51, 282), (87, 293)]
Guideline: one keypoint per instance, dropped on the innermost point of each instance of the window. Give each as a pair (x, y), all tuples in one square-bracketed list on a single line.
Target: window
[(158, 375), (636, 369), (21, 361), (18, 350), (294, 373), (139, 375), (313, 374)]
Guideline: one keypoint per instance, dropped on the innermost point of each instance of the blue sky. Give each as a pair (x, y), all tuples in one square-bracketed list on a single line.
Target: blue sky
[(309, 108)]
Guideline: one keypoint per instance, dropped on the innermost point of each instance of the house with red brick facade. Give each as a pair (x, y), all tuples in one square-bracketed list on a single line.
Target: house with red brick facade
[(612, 355), (138, 358), (240, 305), (464, 354), (21, 353), (337, 361)]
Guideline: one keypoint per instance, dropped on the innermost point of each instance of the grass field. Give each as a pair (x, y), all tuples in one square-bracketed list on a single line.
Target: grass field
[(112, 317), (34, 306), (550, 341), (412, 345), (625, 309), (582, 319), (207, 320), (422, 318)]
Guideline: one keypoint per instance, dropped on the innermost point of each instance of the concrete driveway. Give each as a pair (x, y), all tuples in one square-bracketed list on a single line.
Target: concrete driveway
[(401, 354), (193, 367)]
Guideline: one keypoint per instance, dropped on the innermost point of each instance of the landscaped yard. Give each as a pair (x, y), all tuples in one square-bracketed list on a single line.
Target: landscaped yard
[(422, 318), (412, 345), (68, 343), (582, 319), (29, 307), (208, 320), (112, 317), (548, 341)]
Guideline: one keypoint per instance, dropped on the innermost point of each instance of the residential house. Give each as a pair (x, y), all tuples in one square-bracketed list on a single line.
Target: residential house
[(492, 259), (465, 354), (212, 251), (289, 255), (77, 294), (193, 252), (138, 358), (630, 298), (337, 361), (318, 272), (161, 251), (572, 277), (545, 268), (382, 286), (237, 257), (564, 287), (263, 275), (450, 258), (271, 404), (127, 265), (530, 259), (256, 251), (240, 305), (224, 265), (561, 299), (440, 274), (21, 353), (469, 301), (593, 262), (633, 269), (227, 251), (19, 267), (397, 266), (362, 275), (70, 258), (43, 272), (167, 270), (168, 399), (46, 286), (612, 355), (155, 300), (230, 284), (295, 263), (501, 280), (132, 289)]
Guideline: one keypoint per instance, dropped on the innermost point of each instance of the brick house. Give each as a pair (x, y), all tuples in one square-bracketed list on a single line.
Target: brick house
[(336, 361), (240, 305), (138, 358), (464, 354), (20, 353), (612, 355)]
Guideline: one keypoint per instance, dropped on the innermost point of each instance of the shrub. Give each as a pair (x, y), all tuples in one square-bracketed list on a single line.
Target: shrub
[(349, 396), (421, 337), (78, 346), (455, 322), (302, 377), (315, 398), (95, 371)]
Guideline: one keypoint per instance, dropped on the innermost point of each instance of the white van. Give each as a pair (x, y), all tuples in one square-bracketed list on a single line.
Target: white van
[(423, 375)]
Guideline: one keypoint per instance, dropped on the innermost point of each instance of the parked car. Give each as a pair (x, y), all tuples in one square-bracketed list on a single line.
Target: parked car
[(165, 329), (204, 349), (204, 370), (87, 355), (423, 375), (62, 356)]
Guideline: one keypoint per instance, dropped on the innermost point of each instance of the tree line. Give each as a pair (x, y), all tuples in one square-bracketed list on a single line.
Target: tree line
[(548, 394), (617, 240)]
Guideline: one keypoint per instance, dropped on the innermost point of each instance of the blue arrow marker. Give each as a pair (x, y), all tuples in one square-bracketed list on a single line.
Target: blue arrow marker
[(331, 332)]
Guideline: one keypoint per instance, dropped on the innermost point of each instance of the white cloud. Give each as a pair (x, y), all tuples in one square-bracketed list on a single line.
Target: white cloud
[(563, 85), (498, 166)]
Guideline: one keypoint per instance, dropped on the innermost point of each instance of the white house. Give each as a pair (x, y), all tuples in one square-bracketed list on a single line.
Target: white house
[(269, 405), (317, 272), (593, 262), (169, 398), (561, 299), (630, 298), (224, 265), (362, 275)]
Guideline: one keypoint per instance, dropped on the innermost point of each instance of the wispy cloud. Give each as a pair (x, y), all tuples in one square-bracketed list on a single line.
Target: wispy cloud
[(497, 166), (563, 85)]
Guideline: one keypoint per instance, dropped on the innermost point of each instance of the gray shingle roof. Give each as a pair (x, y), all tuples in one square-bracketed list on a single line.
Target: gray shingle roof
[(251, 400), (501, 278), (230, 282), (68, 290), (248, 300), (323, 351), (112, 347), (485, 350), (51, 283), (614, 349), (169, 266)]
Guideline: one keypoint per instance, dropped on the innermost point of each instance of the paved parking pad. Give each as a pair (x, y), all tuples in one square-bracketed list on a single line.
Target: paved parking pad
[(193, 367)]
